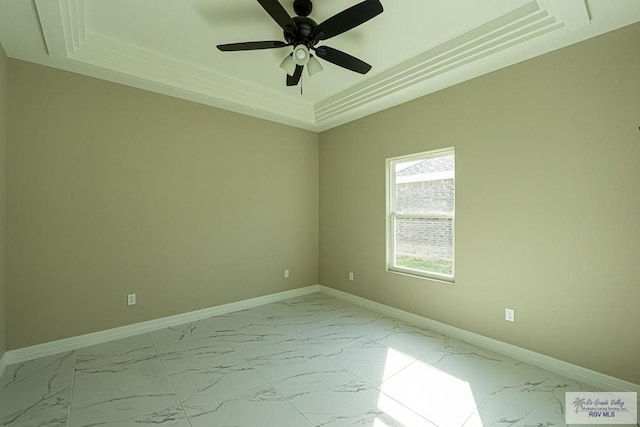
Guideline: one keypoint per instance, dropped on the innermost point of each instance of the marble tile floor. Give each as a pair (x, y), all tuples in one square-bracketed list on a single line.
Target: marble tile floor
[(307, 361)]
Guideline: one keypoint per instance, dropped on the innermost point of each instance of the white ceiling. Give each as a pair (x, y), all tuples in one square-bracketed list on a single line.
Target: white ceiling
[(415, 46)]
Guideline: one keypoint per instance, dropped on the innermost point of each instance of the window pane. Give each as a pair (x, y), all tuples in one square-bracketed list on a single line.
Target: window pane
[(424, 244), (422, 211), (425, 185)]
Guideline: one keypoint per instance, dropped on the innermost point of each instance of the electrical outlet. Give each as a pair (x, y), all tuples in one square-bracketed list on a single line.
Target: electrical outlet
[(131, 299), (510, 314), (286, 273), (351, 275)]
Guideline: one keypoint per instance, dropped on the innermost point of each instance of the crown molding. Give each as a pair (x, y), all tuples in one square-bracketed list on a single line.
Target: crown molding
[(67, 37), (505, 40), (516, 27)]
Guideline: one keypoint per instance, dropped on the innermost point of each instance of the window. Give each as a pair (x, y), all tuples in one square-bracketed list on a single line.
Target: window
[(421, 214)]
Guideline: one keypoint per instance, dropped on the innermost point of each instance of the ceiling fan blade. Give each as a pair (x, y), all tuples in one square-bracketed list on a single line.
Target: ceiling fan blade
[(280, 15), (347, 19), (342, 59), (233, 47), (293, 80)]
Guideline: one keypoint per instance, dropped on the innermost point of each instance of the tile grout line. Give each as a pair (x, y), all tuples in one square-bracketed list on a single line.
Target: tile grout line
[(339, 365), (272, 385), (282, 395), (378, 387), (73, 381), (407, 408), (350, 328), (305, 345), (109, 393), (311, 424), (166, 374)]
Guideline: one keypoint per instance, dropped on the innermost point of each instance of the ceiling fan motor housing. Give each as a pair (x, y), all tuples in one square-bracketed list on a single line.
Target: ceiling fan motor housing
[(302, 7), (303, 35)]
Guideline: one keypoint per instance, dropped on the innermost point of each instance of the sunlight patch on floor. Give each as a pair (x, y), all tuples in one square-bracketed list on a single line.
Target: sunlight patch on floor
[(436, 395)]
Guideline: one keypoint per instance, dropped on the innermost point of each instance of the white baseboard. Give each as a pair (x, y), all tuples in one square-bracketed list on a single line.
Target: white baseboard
[(578, 373), (81, 341), (3, 364)]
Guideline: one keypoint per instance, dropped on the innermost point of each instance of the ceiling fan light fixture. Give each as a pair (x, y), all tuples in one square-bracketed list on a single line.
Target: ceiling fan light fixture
[(313, 66), (303, 33), (287, 65), (301, 55)]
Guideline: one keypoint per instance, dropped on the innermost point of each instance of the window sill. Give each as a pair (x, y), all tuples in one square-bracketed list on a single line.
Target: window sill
[(418, 275)]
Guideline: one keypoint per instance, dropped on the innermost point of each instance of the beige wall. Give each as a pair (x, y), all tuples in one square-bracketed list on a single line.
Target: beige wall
[(3, 195), (115, 190), (548, 203)]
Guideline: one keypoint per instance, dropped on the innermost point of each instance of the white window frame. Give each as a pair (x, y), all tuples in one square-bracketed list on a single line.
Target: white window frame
[(392, 214)]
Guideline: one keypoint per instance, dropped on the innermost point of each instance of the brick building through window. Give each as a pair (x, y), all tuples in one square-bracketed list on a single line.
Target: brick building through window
[(422, 214)]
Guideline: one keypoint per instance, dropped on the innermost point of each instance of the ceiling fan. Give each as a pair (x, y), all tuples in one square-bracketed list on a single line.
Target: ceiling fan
[(303, 33)]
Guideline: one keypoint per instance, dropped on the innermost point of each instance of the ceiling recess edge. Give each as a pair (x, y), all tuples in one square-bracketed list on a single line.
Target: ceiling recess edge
[(68, 38)]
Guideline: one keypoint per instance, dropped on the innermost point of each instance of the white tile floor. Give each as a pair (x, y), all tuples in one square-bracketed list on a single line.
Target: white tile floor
[(307, 361)]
